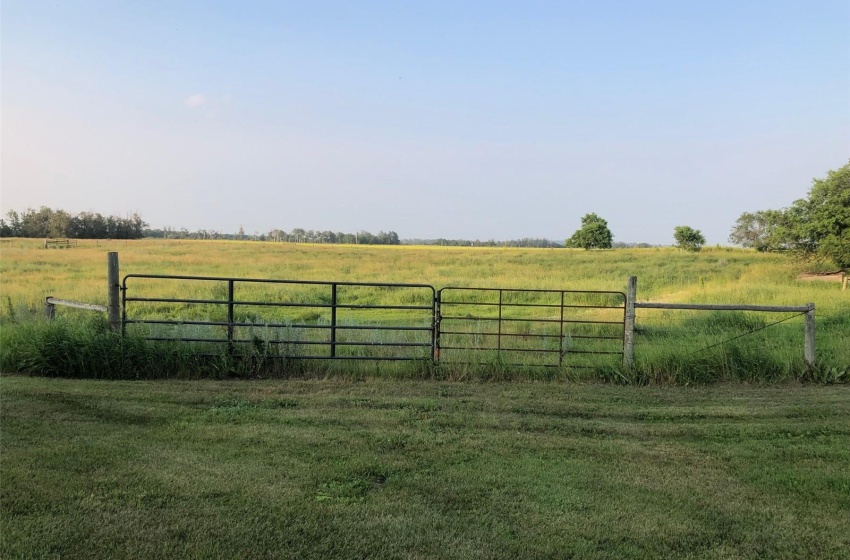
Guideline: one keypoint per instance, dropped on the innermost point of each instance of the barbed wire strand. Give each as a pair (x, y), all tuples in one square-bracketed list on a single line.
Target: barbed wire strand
[(745, 334)]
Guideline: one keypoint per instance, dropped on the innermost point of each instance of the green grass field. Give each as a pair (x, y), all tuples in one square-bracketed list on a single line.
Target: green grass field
[(671, 346), (365, 460), (714, 275), (381, 469)]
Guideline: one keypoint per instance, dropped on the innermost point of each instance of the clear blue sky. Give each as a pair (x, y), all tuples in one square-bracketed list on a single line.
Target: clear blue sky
[(433, 119)]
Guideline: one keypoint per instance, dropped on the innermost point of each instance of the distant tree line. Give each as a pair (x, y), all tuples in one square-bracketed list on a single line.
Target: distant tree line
[(524, 242), (817, 227), (297, 235), (623, 245), (46, 222)]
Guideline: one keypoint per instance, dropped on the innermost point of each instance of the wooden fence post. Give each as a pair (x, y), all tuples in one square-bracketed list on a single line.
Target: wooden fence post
[(113, 306), (49, 309), (629, 324), (810, 336)]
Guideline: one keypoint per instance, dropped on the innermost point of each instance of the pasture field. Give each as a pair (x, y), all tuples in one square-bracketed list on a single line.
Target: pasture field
[(664, 274), (388, 469), (671, 346), (359, 464)]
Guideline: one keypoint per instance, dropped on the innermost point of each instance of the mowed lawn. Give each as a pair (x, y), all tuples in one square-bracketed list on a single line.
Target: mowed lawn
[(381, 469)]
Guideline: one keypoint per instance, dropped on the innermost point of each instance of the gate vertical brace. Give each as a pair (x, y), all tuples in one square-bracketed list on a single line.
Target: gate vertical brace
[(809, 348), (113, 305), (333, 320), (629, 324), (435, 333), (561, 345), (499, 337), (124, 308), (230, 318)]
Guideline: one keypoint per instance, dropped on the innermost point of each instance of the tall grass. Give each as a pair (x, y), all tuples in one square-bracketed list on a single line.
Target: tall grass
[(85, 349), (89, 349), (671, 346)]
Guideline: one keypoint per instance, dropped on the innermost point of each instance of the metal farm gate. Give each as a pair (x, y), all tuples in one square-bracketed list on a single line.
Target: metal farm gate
[(549, 328), (290, 319)]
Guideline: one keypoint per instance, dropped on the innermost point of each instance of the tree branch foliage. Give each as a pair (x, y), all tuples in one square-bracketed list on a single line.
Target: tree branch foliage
[(817, 227)]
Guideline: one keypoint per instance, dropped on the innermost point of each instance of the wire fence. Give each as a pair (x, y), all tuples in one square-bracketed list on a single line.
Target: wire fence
[(755, 341), (561, 329)]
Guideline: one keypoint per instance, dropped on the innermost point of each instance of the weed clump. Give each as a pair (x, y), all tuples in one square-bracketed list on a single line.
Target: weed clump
[(88, 348)]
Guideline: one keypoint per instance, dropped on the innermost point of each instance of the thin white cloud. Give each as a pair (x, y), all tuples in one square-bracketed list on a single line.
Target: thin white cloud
[(195, 100)]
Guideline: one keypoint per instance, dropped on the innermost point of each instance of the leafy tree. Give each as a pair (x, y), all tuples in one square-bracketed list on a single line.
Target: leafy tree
[(688, 238), (819, 226), (12, 228), (593, 234), (88, 225), (763, 230)]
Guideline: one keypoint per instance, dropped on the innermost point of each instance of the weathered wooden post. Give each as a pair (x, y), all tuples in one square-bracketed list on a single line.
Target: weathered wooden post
[(113, 305), (49, 308), (629, 324), (810, 336)]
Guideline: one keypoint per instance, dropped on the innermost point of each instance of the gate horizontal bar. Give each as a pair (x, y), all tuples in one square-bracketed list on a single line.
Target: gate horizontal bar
[(541, 350), (294, 342), (494, 348), (365, 358), (275, 304), (458, 333), (452, 318), (552, 306), (335, 343), (532, 291), (269, 325), (170, 339), (338, 306), (467, 333), (520, 365), (275, 281), (314, 357), (394, 344)]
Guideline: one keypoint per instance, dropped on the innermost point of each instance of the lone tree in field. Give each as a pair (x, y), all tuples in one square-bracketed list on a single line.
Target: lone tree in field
[(688, 238), (594, 234)]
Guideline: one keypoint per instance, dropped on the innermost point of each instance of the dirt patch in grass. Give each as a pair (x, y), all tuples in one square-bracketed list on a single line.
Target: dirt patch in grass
[(837, 276)]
